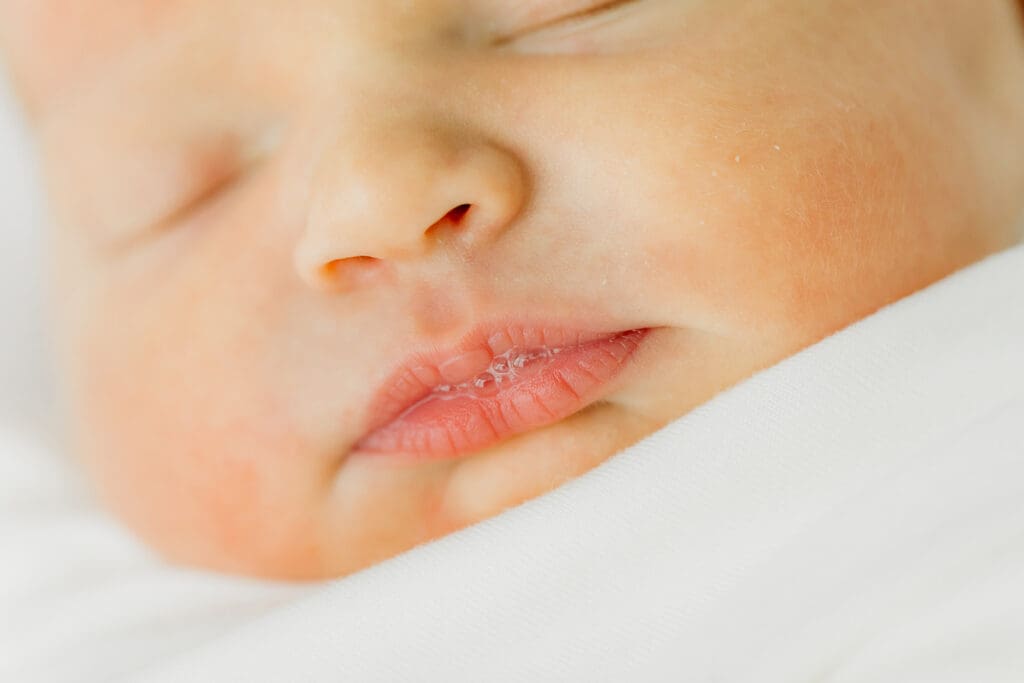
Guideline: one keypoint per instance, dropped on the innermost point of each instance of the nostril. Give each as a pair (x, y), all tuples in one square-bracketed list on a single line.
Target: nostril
[(452, 222), (458, 213), (351, 271)]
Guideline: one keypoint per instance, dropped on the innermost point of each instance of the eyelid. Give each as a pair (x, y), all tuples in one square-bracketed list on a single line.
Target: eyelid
[(576, 11), (218, 175), (176, 183)]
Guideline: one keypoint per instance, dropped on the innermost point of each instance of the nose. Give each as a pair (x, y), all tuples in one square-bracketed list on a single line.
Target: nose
[(389, 195)]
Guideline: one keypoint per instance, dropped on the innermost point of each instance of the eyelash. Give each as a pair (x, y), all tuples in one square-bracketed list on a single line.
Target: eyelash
[(581, 15)]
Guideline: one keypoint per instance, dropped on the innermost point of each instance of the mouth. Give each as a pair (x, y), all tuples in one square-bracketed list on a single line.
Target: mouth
[(499, 382)]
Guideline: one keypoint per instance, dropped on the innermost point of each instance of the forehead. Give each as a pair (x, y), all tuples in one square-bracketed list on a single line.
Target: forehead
[(50, 45)]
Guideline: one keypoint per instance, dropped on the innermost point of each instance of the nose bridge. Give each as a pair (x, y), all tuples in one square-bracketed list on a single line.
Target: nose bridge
[(395, 160)]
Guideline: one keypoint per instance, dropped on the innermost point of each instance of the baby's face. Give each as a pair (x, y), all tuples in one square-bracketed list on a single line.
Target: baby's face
[(337, 278)]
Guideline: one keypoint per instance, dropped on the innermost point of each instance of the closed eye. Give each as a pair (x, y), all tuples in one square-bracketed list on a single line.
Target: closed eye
[(206, 181)]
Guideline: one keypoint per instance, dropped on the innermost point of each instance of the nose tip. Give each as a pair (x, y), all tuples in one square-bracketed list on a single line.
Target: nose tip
[(391, 206)]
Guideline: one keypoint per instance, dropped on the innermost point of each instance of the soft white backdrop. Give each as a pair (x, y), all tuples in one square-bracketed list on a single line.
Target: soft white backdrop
[(26, 374)]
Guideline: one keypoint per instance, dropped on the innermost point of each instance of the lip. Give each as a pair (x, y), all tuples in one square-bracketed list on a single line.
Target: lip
[(498, 382)]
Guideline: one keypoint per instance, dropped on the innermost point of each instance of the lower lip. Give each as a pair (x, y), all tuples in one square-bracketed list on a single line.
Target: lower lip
[(539, 389)]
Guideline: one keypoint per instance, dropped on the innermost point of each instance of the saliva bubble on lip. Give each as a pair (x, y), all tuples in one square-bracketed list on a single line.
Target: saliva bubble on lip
[(504, 368)]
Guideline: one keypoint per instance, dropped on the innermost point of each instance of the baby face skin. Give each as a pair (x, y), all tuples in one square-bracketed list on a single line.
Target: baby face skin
[(283, 224)]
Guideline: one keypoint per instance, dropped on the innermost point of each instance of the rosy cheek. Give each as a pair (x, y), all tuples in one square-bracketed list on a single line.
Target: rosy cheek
[(794, 231), (195, 466), (855, 219)]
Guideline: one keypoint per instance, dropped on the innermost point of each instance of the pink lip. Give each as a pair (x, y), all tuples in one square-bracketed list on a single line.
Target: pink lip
[(499, 382)]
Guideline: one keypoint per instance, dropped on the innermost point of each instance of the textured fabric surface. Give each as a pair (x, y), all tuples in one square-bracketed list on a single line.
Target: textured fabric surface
[(851, 514)]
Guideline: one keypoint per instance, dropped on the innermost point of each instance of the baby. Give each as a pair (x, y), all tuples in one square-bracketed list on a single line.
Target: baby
[(339, 277)]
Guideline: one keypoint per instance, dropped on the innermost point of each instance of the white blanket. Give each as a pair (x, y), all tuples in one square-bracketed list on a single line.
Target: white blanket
[(855, 513)]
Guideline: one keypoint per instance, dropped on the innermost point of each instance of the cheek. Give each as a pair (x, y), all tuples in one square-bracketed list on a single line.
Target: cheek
[(859, 217), (792, 219), (184, 434)]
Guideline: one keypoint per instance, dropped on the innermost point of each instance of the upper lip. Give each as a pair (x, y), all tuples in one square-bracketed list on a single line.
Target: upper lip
[(412, 379)]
